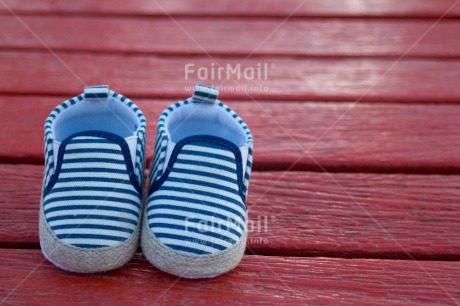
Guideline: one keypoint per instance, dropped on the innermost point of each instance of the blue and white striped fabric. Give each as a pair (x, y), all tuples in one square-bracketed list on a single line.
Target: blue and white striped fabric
[(96, 92), (158, 166), (205, 94), (49, 136), (196, 201), (92, 195), (141, 138), (93, 203), (199, 208)]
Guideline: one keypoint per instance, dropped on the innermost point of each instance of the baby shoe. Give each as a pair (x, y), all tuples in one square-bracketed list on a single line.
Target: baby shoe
[(93, 181), (195, 223)]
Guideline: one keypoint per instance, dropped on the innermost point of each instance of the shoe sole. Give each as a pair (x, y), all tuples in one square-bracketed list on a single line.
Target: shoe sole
[(189, 265), (74, 259)]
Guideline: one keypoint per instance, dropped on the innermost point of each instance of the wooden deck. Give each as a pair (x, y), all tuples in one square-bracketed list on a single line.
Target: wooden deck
[(355, 196)]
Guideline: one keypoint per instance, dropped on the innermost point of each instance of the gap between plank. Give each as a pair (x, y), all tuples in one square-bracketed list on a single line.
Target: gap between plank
[(174, 98), (295, 253), (285, 166), (229, 15), (225, 54)]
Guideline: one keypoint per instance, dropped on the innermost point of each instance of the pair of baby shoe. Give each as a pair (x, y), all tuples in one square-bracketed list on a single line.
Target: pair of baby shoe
[(192, 220)]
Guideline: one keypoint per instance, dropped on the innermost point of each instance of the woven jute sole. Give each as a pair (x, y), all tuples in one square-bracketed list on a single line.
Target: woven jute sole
[(74, 259), (189, 265)]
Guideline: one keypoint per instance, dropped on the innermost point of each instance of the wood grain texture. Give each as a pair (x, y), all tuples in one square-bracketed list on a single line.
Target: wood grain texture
[(257, 280), (377, 137), (303, 214), (410, 80), (296, 8), (329, 50), (298, 37)]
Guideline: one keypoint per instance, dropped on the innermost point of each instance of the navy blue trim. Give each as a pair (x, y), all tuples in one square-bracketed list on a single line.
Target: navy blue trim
[(205, 138), (110, 136), (205, 94), (96, 95)]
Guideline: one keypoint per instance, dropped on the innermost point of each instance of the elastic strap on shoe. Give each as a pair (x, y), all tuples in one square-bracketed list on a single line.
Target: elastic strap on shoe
[(205, 94), (97, 92)]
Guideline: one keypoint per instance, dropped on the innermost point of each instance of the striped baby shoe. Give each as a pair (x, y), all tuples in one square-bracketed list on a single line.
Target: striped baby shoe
[(93, 182), (195, 223)]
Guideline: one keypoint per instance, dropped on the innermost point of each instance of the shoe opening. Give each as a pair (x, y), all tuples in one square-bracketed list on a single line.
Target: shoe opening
[(204, 119), (108, 115)]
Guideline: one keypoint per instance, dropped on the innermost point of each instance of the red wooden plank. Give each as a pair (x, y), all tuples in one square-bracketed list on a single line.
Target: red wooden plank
[(303, 213), (311, 8), (333, 37), (411, 80), (257, 280), (413, 138)]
